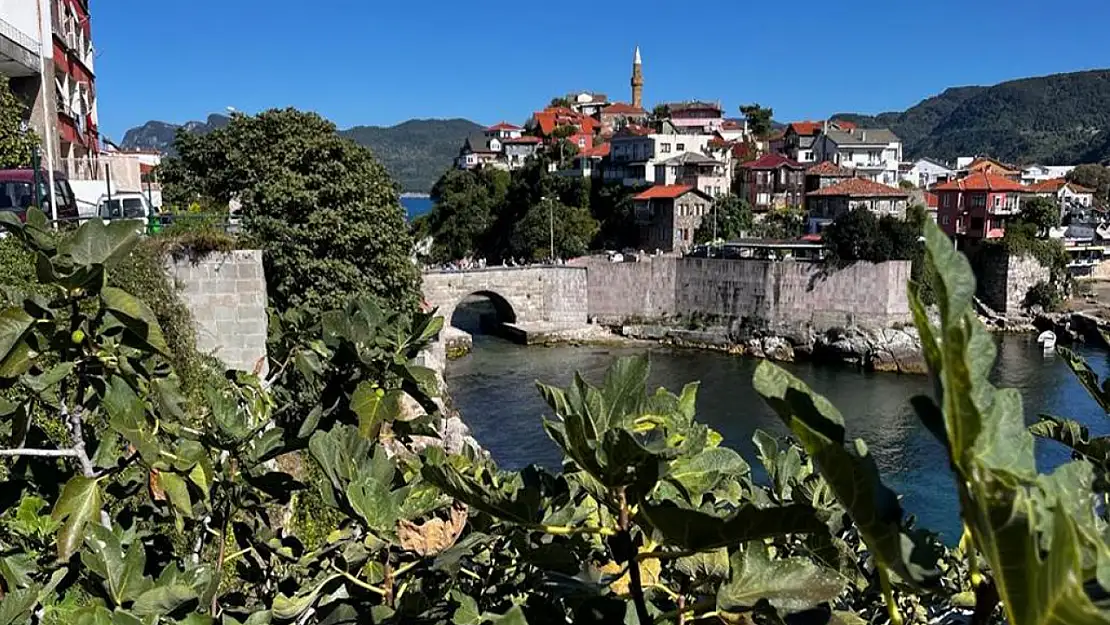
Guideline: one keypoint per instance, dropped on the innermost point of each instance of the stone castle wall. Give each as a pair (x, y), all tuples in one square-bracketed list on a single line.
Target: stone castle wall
[(553, 294), (1003, 280), (226, 294), (777, 296)]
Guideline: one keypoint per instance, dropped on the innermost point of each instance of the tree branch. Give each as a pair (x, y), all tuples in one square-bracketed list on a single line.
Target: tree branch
[(42, 453)]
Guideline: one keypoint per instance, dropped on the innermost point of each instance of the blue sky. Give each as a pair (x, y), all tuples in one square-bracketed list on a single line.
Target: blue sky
[(381, 62)]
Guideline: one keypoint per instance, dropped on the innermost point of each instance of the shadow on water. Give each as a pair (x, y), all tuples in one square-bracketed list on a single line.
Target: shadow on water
[(482, 313), (494, 388)]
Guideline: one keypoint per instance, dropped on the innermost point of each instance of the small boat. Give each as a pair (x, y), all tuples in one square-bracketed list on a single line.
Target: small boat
[(1047, 339)]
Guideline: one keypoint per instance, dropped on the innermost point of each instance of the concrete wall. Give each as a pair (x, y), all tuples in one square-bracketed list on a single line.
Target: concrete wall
[(1004, 280), (774, 295), (556, 294), (226, 293)]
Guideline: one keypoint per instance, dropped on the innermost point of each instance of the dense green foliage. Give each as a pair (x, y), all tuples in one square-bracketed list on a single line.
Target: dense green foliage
[(781, 223), (1058, 118), (322, 209), (730, 218), (16, 144), (412, 151), (1042, 212), (497, 215), (861, 235), (759, 118), (138, 511)]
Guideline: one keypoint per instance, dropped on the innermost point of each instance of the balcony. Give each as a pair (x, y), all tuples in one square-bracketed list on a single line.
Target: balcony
[(19, 52)]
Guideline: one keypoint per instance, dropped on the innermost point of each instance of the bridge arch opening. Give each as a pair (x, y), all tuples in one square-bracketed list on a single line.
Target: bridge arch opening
[(482, 312)]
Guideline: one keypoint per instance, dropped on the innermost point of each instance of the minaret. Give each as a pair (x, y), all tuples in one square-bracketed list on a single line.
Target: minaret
[(637, 81)]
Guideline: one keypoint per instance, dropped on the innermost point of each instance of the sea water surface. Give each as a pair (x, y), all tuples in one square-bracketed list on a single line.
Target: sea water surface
[(494, 389), (416, 205)]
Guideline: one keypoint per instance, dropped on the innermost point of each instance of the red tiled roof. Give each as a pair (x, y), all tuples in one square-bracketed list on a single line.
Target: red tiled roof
[(806, 128), (981, 181), (772, 161), (664, 191), (634, 130), (844, 125), (504, 126), (718, 142), (985, 163), (597, 151), (622, 108), (931, 200), (1054, 186), (859, 187), (732, 124), (830, 170)]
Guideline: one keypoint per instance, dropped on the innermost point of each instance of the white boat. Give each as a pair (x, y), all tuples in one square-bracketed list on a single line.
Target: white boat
[(1047, 339)]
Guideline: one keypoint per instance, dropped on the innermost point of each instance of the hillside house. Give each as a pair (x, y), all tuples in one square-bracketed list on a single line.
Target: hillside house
[(588, 103), (873, 152), (478, 150), (925, 172), (504, 130), (619, 115), (696, 117), (826, 174), (772, 181), (517, 150), (966, 166), (668, 215), (977, 206), (637, 150), (1036, 174), (696, 170), (589, 163), (1067, 194), (826, 204)]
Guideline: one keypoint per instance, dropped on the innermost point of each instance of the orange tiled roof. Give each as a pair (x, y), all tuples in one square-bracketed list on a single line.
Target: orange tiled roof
[(664, 191), (984, 163), (1054, 186), (831, 170), (622, 108), (597, 151), (504, 126), (772, 161), (806, 128), (982, 181), (859, 187)]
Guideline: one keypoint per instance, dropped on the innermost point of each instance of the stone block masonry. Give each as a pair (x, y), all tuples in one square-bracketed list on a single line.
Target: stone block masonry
[(1004, 280), (226, 294), (551, 294)]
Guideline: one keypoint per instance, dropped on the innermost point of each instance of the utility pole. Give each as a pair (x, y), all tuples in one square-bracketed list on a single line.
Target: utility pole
[(551, 227), (45, 38), (714, 221)]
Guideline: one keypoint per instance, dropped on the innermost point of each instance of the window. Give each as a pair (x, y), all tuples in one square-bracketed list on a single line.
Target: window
[(979, 200), (808, 156), (581, 142), (681, 147), (997, 201), (945, 220), (664, 148)]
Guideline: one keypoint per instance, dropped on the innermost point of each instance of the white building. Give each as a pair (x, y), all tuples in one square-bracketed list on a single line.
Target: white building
[(1067, 194), (1036, 174), (636, 151), (924, 173), (874, 152)]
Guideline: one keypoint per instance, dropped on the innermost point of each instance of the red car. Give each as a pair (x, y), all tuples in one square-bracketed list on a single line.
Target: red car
[(17, 193)]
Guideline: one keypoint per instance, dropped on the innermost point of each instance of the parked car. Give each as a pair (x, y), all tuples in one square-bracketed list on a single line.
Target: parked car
[(17, 193), (127, 205)]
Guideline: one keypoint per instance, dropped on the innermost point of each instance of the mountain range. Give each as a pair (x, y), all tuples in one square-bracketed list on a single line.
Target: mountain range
[(1055, 119), (415, 152)]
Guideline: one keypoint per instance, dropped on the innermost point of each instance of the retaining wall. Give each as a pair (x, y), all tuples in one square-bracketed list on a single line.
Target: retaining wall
[(226, 294)]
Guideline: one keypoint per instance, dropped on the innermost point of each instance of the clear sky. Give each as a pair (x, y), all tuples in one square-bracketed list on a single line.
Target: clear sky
[(379, 62)]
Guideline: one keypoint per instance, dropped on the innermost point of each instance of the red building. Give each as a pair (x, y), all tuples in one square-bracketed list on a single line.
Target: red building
[(74, 81), (977, 207), (772, 181)]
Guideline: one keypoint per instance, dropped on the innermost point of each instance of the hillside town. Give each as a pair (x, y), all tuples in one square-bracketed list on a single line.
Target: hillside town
[(681, 156)]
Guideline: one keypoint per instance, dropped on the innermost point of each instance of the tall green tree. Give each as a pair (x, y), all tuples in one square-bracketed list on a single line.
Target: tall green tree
[(759, 118), (323, 209), (1094, 177), (782, 223), (611, 204), (16, 144), (1041, 212), (466, 203), (733, 218), (573, 226)]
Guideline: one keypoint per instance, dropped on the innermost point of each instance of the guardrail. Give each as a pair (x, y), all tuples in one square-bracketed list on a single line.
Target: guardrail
[(155, 224), (19, 37)]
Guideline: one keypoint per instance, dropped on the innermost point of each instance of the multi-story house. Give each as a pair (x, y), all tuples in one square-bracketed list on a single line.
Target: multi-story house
[(925, 172), (1036, 174), (1067, 194), (772, 181), (515, 151), (966, 166), (977, 206), (826, 174), (825, 205), (873, 152), (797, 141), (618, 115), (693, 169), (696, 117), (588, 103), (637, 150), (504, 130), (734, 130), (668, 215), (61, 97), (549, 123), (479, 150), (588, 163)]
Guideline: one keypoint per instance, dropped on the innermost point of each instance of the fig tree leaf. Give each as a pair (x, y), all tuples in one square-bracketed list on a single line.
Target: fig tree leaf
[(788, 584), (698, 531), (78, 505)]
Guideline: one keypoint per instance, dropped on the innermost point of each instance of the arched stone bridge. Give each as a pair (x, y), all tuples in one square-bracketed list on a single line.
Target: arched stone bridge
[(535, 294)]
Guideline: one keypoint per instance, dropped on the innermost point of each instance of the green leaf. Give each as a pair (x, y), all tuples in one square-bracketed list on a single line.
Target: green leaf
[(705, 565), (288, 608), (699, 531), (16, 569), (78, 504), (1075, 436), (851, 473), (372, 502), (92, 615), (162, 600), (467, 613), (423, 378), (127, 417), (14, 326), (428, 329), (373, 407), (122, 572), (623, 391), (701, 473), (136, 316), (97, 244), (788, 584), (1087, 377), (438, 471), (515, 616), (16, 607), (177, 493)]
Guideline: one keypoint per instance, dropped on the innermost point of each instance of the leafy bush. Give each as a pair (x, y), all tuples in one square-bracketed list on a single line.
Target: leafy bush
[(1043, 295)]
